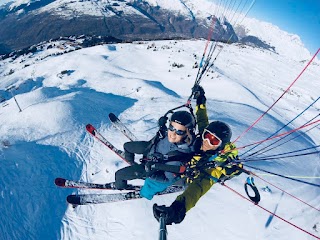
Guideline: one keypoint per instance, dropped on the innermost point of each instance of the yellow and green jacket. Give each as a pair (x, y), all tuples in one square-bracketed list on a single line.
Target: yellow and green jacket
[(206, 179)]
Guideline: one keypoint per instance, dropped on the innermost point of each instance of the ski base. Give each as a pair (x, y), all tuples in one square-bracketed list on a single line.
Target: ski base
[(93, 131), (66, 183), (84, 199), (121, 127)]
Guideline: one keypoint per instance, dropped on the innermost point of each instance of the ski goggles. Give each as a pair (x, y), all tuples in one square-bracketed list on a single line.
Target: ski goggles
[(177, 131), (212, 139)]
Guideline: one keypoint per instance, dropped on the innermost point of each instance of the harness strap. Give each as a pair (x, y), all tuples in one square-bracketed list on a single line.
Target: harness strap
[(168, 168)]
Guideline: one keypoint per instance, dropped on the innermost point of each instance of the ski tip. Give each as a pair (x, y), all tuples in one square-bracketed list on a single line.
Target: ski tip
[(90, 128), (112, 117), (73, 199), (60, 182)]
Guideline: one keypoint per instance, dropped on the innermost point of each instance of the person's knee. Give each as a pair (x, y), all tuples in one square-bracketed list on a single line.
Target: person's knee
[(120, 173), (126, 146)]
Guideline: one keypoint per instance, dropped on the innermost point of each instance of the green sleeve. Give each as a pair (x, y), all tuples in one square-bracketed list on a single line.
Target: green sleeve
[(194, 192), (202, 117)]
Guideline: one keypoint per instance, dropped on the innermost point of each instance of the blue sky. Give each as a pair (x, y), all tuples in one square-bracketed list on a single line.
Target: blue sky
[(301, 17)]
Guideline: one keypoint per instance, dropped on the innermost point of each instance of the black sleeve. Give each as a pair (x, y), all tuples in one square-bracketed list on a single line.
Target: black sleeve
[(179, 156)]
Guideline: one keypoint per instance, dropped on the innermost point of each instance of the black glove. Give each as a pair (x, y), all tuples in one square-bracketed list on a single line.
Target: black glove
[(149, 168), (173, 214), (162, 121), (162, 127), (191, 172), (231, 160), (156, 157), (198, 93), (152, 159)]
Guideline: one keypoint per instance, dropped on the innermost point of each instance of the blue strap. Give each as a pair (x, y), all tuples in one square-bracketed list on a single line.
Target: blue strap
[(213, 178), (250, 181), (213, 157)]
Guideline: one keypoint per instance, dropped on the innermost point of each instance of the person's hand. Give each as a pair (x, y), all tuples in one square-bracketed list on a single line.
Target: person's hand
[(191, 174), (162, 127), (149, 164), (162, 121), (156, 157), (232, 159), (173, 214), (198, 93)]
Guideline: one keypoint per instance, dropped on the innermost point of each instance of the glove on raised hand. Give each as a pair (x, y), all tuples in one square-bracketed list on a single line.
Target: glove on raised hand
[(198, 93), (173, 214), (162, 127), (162, 121)]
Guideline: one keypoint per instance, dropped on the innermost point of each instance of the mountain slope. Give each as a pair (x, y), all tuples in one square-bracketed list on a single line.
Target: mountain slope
[(60, 94)]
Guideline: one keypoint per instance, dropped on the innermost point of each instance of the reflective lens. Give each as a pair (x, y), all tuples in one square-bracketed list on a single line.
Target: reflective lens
[(178, 132), (211, 137)]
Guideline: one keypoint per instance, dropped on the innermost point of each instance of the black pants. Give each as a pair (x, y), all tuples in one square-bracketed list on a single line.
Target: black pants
[(129, 173), (136, 147), (135, 171)]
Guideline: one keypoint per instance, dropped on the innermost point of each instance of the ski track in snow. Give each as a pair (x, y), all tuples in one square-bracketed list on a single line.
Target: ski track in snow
[(48, 139)]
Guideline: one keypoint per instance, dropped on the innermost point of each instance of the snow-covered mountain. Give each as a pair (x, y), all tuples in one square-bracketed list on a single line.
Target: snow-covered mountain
[(285, 43), (27, 22), (38, 21), (61, 87)]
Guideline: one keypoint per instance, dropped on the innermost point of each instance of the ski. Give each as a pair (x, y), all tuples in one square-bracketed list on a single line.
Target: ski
[(93, 131), (122, 127), (84, 199), (66, 183)]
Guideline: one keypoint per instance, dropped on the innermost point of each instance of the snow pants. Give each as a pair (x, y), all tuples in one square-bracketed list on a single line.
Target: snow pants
[(136, 171)]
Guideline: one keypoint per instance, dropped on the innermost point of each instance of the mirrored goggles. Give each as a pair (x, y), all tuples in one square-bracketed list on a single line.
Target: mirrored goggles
[(178, 132), (213, 140)]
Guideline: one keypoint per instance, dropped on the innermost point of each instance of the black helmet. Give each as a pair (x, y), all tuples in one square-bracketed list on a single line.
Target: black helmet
[(184, 118), (222, 130)]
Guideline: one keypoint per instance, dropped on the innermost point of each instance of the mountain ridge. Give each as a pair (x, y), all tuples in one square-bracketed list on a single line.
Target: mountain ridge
[(126, 20), (29, 22)]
